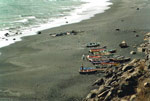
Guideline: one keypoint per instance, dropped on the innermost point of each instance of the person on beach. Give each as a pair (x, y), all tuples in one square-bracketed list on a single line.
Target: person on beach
[(83, 57), (82, 67)]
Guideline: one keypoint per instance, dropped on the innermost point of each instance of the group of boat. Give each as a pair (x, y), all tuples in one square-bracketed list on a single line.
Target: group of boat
[(100, 56)]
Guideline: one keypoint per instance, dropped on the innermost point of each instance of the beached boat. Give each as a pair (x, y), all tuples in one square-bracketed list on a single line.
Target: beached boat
[(87, 70), (111, 59), (102, 50), (120, 60), (109, 50), (92, 57), (97, 58), (104, 62), (103, 54), (93, 44), (100, 59), (93, 71), (96, 50)]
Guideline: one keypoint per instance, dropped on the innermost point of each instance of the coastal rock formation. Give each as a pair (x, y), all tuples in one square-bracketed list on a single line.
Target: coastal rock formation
[(118, 83)]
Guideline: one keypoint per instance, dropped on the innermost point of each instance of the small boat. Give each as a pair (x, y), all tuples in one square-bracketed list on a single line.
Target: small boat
[(102, 50), (120, 60), (98, 57), (93, 44), (99, 62), (87, 70), (95, 50), (103, 54), (92, 57), (91, 71), (106, 62), (110, 50), (110, 63)]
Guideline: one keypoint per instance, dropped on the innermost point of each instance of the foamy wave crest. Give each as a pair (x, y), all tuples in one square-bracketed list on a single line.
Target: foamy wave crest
[(31, 17), (26, 19), (23, 20)]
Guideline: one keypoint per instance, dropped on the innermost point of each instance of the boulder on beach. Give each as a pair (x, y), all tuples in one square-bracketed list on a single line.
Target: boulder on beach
[(132, 52), (117, 29), (133, 97), (146, 84), (122, 20), (134, 31), (137, 8), (123, 44), (137, 35), (7, 34), (39, 32), (141, 49)]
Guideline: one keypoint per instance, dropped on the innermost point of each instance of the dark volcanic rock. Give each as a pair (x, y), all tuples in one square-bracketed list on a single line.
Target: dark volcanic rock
[(146, 84), (91, 95), (39, 32), (108, 96), (127, 67), (117, 29), (7, 34), (99, 82), (123, 44), (109, 74), (103, 94)]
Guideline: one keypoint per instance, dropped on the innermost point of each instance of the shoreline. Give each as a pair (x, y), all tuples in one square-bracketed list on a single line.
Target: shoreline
[(46, 68), (80, 13)]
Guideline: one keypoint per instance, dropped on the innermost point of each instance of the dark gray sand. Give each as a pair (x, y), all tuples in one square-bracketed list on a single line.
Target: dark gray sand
[(45, 68)]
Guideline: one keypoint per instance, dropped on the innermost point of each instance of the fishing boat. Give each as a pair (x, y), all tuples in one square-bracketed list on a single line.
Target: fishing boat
[(96, 50), (99, 59), (104, 62), (111, 59), (93, 57), (120, 60), (109, 50), (93, 44), (87, 70), (102, 50), (103, 54)]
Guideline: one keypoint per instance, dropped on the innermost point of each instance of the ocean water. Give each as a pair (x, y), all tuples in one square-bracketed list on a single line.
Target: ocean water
[(27, 17), (20, 13)]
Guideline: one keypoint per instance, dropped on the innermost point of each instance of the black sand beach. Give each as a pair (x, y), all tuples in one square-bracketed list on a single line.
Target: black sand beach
[(45, 68)]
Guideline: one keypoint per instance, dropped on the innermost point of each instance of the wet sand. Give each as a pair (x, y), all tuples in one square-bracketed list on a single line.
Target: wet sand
[(45, 68)]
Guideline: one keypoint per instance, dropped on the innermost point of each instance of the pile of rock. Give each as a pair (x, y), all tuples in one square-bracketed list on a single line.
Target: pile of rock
[(142, 47), (147, 36), (117, 83)]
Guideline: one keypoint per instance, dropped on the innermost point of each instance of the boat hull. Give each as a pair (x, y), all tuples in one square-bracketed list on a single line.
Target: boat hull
[(87, 71)]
